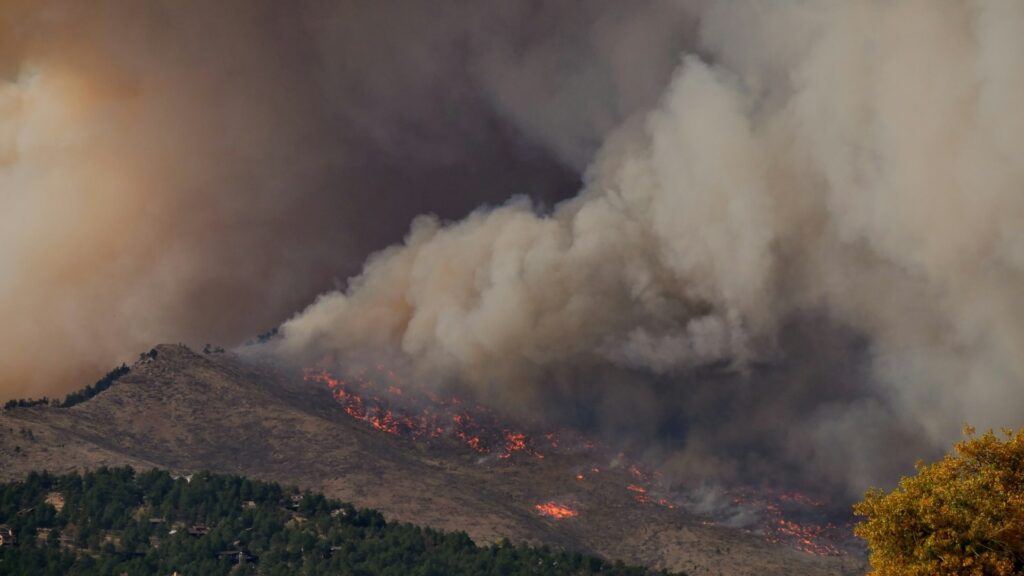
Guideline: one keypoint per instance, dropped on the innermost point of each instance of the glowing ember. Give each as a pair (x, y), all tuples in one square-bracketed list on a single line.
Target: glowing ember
[(800, 499), (637, 473), (556, 511), (640, 493), (789, 518), (514, 442)]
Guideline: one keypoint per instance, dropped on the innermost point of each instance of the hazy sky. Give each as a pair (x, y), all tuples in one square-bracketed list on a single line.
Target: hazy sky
[(199, 171)]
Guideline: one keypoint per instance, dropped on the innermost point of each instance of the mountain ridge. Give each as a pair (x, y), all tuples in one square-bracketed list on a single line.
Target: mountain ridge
[(228, 413)]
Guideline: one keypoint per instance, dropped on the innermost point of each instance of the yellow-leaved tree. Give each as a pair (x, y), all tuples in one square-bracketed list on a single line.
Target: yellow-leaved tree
[(962, 515)]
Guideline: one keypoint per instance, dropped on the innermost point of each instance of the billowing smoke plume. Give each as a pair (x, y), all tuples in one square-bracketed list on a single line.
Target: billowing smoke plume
[(197, 171), (794, 252), (808, 254)]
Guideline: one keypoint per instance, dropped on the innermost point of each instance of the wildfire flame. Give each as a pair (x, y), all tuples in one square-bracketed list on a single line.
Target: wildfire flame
[(639, 493), (514, 442), (780, 523), (433, 417), (424, 415), (555, 510)]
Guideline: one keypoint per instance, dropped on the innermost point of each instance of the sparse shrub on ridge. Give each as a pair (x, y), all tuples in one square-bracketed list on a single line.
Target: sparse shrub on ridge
[(78, 396), (100, 385), (26, 403)]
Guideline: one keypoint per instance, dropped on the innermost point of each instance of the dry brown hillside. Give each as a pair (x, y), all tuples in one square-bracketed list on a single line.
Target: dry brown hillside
[(187, 411)]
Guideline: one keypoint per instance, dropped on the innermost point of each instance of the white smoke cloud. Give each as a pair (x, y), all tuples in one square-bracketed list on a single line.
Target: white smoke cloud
[(705, 340), (861, 161)]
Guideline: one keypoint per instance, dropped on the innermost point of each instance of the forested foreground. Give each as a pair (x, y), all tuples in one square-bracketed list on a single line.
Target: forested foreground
[(117, 521)]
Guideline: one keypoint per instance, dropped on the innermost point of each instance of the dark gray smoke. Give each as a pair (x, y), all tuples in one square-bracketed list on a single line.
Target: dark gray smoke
[(824, 205)]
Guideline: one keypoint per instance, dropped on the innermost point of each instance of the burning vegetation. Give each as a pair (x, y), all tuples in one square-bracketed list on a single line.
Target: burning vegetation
[(379, 399), (555, 510), (397, 410), (795, 519)]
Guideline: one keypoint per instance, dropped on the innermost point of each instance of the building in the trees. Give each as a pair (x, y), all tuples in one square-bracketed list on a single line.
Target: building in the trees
[(55, 499), (198, 530), (6, 536), (237, 556)]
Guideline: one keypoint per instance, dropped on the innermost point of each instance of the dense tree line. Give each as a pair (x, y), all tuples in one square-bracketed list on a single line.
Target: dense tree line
[(100, 385), (114, 521)]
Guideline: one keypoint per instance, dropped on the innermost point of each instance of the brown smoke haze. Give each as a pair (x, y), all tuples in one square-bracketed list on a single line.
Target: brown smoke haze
[(797, 234), (197, 171)]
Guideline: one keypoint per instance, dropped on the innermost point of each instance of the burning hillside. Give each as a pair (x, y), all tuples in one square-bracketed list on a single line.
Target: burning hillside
[(394, 409), (747, 242), (795, 519), (228, 413), (555, 510), (378, 398)]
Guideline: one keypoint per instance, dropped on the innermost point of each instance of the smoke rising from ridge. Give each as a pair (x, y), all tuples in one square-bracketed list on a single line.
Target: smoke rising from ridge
[(797, 237), (831, 189), (194, 171)]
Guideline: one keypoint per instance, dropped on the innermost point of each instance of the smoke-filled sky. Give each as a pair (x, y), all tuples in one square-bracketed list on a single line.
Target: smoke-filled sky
[(199, 171), (753, 239)]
